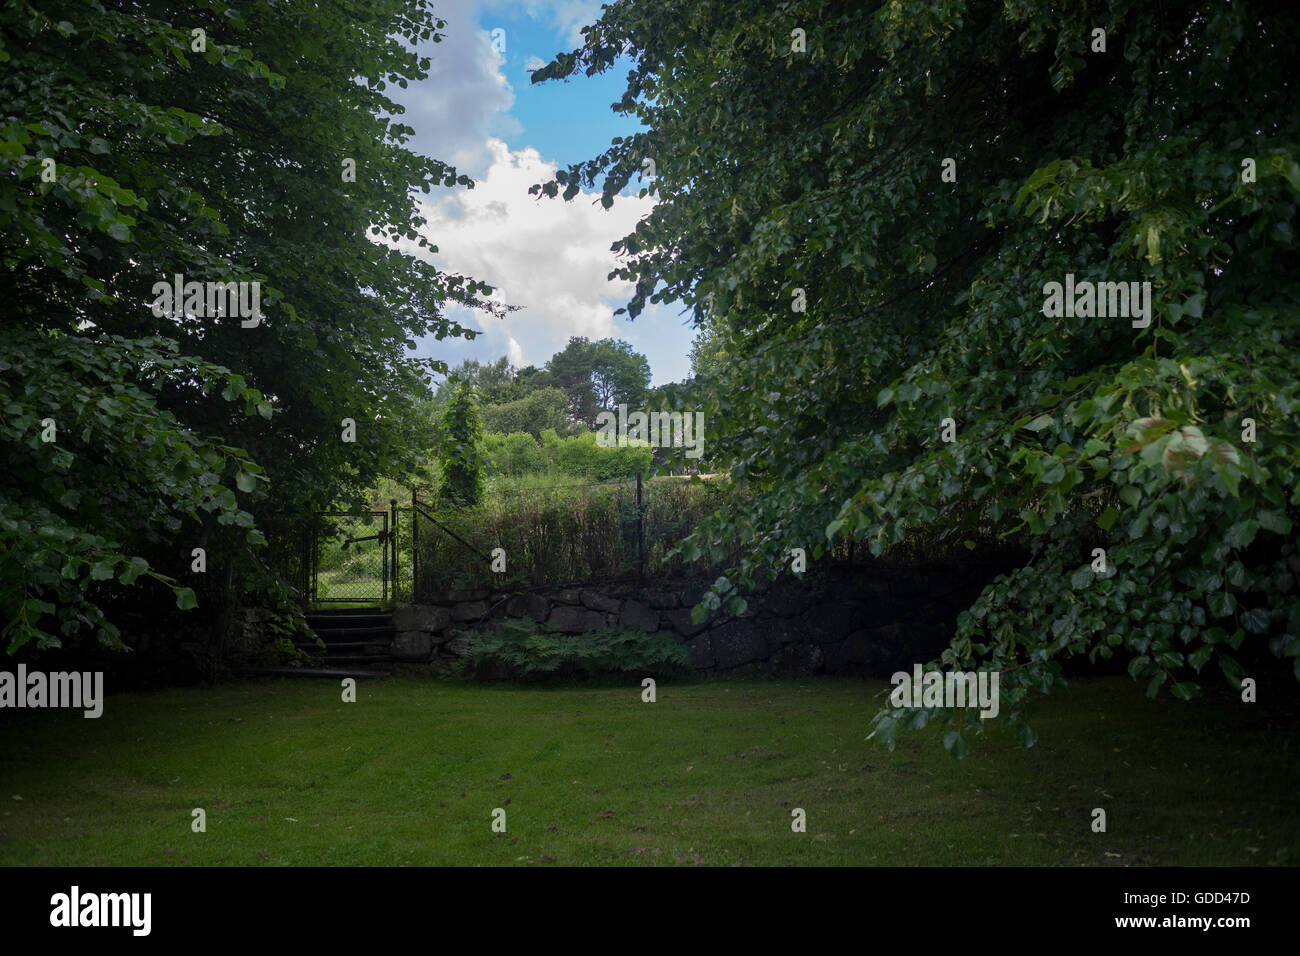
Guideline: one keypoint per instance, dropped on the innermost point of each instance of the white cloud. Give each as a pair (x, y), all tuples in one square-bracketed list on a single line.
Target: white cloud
[(514, 351), (466, 97), (567, 17), (534, 63), (546, 255)]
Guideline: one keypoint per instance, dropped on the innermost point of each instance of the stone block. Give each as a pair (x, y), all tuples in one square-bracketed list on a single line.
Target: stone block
[(637, 615), (796, 660), (679, 620), (701, 648), (420, 617), (600, 602), (528, 605), (736, 643), (576, 620), (412, 645), (662, 600), (469, 611)]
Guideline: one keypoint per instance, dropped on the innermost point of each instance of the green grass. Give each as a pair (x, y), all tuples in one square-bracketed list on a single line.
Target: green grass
[(410, 774)]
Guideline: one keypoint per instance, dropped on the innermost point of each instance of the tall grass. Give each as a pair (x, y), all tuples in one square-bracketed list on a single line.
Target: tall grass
[(561, 534)]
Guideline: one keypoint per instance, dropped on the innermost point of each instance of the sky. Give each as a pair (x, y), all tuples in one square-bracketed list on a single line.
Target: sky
[(478, 111)]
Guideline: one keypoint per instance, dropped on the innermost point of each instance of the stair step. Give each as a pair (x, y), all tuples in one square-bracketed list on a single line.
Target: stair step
[(344, 646), (358, 659), (316, 672), (350, 620), (333, 635)]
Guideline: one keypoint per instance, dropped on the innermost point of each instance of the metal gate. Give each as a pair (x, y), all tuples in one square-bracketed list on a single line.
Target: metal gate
[(354, 557)]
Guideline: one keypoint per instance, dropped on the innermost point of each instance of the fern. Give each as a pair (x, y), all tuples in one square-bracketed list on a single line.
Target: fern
[(519, 649)]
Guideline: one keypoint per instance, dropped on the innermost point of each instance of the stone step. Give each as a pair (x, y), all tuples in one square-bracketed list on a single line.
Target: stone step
[(316, 672), (318, 622), (334, 635), (342, 647)]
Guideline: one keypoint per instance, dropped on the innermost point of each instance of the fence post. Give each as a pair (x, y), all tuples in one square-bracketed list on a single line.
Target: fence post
[(392, 538), (415, 543), (640, 534)]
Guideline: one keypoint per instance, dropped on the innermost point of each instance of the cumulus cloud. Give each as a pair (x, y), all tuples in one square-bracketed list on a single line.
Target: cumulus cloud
[(545, 255), (567, 17), (466, 97)]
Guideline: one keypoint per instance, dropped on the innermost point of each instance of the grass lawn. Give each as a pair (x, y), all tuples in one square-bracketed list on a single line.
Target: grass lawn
[(411, 773)]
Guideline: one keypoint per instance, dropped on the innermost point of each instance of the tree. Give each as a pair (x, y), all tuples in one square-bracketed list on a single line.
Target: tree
[(708, 352), (598, 375), (145, 141), (533, 414), (495, 382), (877, 215), (570, 369), (460, 450), (619, 375)]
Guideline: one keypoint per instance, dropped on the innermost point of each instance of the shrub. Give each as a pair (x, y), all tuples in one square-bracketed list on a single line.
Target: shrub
[(582, 457), (516, 454), (460, 450), (520, 649), (533, 414)]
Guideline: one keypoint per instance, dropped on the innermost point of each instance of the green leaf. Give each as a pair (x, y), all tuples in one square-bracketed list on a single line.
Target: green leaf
[(1256, 620), (1025, 734), (1231, 669), (1241, 534), (134, 568), (244, 481), (1274, 521), (956, 744), (1221, 603), (1035, 521), (1107, 518), (185, 599), (886, 732)]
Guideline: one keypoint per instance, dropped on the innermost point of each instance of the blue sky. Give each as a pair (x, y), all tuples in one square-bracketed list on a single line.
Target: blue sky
[(479, 112)]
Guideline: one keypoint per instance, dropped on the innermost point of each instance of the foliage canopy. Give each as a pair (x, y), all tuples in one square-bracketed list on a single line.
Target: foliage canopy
[(148, 140), (1166, 153)]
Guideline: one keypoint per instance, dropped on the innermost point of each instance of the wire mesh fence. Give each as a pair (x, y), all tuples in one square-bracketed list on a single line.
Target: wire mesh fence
[(559, 535), (353, 558)]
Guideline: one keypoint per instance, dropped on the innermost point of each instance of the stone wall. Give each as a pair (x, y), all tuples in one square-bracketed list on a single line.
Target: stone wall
[(864, 619)]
